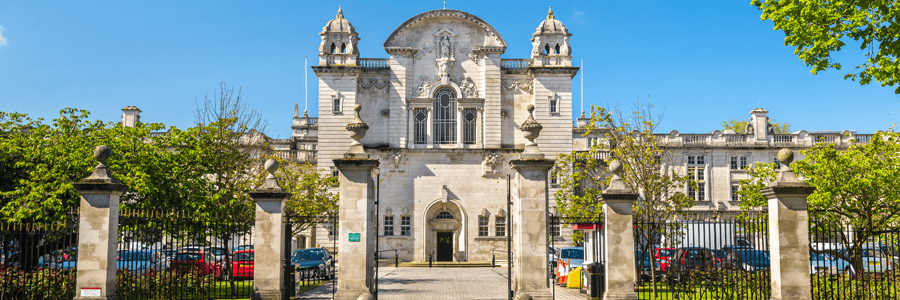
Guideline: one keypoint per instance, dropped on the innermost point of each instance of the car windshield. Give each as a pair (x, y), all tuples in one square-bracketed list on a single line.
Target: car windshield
[(666, 252), (243, 256), (188, 256), (133, 256), (572, 253), (310, 255), (217, 251)]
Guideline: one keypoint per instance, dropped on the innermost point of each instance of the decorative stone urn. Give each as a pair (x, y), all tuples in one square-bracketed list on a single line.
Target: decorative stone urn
[(531, 129), (357, 129)]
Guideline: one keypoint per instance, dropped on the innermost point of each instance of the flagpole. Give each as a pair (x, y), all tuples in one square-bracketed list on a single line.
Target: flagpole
[(305, 86), (582, 85)]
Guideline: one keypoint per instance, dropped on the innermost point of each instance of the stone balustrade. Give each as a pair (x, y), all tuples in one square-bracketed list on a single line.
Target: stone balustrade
[(302, 155), (800, 139), (515, 64), (373, 63)]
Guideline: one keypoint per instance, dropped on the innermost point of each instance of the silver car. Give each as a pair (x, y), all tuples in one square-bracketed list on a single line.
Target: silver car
[(873, 260)]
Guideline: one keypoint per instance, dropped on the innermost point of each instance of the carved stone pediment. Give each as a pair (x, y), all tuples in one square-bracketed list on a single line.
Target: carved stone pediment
[(515, 85), (444, 224)]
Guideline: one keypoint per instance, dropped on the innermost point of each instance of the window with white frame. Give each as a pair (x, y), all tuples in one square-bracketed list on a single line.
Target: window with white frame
[(696, 170), (554, 229), (500, 228), (335, 104), (405, 225), (554, 104), (388, 225), (735, 187), (420, 125), (468, 118), (483, 228), (738, 162), (444, 119)]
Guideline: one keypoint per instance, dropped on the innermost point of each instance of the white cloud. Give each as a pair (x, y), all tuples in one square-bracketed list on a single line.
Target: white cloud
[(2, 38), (578, 16)]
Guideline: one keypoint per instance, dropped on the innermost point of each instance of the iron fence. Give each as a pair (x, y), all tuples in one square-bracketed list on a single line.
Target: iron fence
[(703, 255), (38, 260), (845, 263), (305, 269), (172, 255)]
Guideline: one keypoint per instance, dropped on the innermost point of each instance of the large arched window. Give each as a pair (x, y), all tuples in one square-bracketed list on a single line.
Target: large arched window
[(445, 116)]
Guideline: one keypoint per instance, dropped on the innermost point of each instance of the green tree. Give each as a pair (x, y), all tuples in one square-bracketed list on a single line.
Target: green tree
[(312, 190), (648, 171), (856, 191), (740, 126), (816, 28)]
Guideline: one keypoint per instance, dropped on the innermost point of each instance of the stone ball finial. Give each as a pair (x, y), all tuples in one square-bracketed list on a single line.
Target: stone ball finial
[(357, 108), (102, 153), (615, 167), (530, 108), (271, 166), (365, 296), (785, 156)]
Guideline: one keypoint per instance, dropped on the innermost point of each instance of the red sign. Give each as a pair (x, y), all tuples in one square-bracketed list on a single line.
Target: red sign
[(585, 226)]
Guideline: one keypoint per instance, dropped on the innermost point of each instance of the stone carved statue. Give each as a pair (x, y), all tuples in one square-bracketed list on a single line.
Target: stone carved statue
[(491, 164), (445, 47), (468, 87), (424, 87)]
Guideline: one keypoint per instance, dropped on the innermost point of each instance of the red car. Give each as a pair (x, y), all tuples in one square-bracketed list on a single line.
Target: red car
[(662, 256), (242, 264), (197, 263)]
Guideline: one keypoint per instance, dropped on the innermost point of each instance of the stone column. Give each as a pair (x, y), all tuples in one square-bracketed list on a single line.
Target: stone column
[(357, 218), (529, 230), (357, 228), (617, 203), (268, 236), (98, 231), (788, 232), (529, 216)]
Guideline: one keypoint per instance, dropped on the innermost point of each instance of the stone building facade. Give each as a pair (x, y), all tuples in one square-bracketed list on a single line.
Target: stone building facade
[(444, 112)]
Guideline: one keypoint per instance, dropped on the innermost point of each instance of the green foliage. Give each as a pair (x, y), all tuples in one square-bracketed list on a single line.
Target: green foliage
[(577, 237), (740, 126), (312, 190), (759, 176), (163, 285), (816, 28), (39, 284)]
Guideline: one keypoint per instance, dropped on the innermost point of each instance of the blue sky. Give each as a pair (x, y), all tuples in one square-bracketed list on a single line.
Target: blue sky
[(701, 62)]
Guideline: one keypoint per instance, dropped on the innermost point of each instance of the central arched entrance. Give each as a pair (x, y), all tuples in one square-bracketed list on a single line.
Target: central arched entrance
[(445, 237)]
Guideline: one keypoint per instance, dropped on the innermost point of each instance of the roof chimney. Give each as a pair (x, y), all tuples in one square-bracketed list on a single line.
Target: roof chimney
[(130, 116)]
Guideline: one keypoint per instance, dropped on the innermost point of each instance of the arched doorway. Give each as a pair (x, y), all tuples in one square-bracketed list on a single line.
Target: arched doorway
[(445, 232)]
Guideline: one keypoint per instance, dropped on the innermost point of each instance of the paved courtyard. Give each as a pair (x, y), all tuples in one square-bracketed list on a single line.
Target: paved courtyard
[(440, 283)]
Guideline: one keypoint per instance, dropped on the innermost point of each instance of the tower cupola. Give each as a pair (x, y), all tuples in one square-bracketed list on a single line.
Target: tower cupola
[(339, 40), (550, 43)]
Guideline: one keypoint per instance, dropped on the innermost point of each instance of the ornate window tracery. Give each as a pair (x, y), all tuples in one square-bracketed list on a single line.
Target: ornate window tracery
[(444, 116)]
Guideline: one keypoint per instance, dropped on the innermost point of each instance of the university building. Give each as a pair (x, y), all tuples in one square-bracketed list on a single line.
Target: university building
[(444, 113)]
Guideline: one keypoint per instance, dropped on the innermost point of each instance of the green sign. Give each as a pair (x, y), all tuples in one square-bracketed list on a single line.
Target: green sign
[(354, 237)]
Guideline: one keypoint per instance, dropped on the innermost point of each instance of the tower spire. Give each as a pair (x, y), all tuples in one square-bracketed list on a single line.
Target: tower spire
[(550, 13), (296, 110), (340, 14)]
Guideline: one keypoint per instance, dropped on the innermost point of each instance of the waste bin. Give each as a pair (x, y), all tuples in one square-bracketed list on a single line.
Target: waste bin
[(595, 283)]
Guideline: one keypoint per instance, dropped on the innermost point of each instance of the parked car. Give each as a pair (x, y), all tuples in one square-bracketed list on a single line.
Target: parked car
[(873, 260), (745, 259), (645, 261), (316, 262), (662, 256), (572, 257), (687, 260), (141, 262), (826, 264), (242, 264), (199, 263)]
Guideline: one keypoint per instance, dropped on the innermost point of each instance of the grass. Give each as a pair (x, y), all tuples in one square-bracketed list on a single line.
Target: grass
[(245, 288)]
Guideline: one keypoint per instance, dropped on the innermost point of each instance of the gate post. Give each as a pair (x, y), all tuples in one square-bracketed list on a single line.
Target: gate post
[(617, 207), (357, 218), (268, 237), (789, 232), (98, 231)]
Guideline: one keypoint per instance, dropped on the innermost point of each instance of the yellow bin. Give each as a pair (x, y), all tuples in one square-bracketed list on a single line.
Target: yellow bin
[(574, 279)]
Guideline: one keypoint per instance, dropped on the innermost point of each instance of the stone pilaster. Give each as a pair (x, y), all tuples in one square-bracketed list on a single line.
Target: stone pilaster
[(529, 227), (98, 232), (619, 224), (789, 232), (357, 219), (268, 234)]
